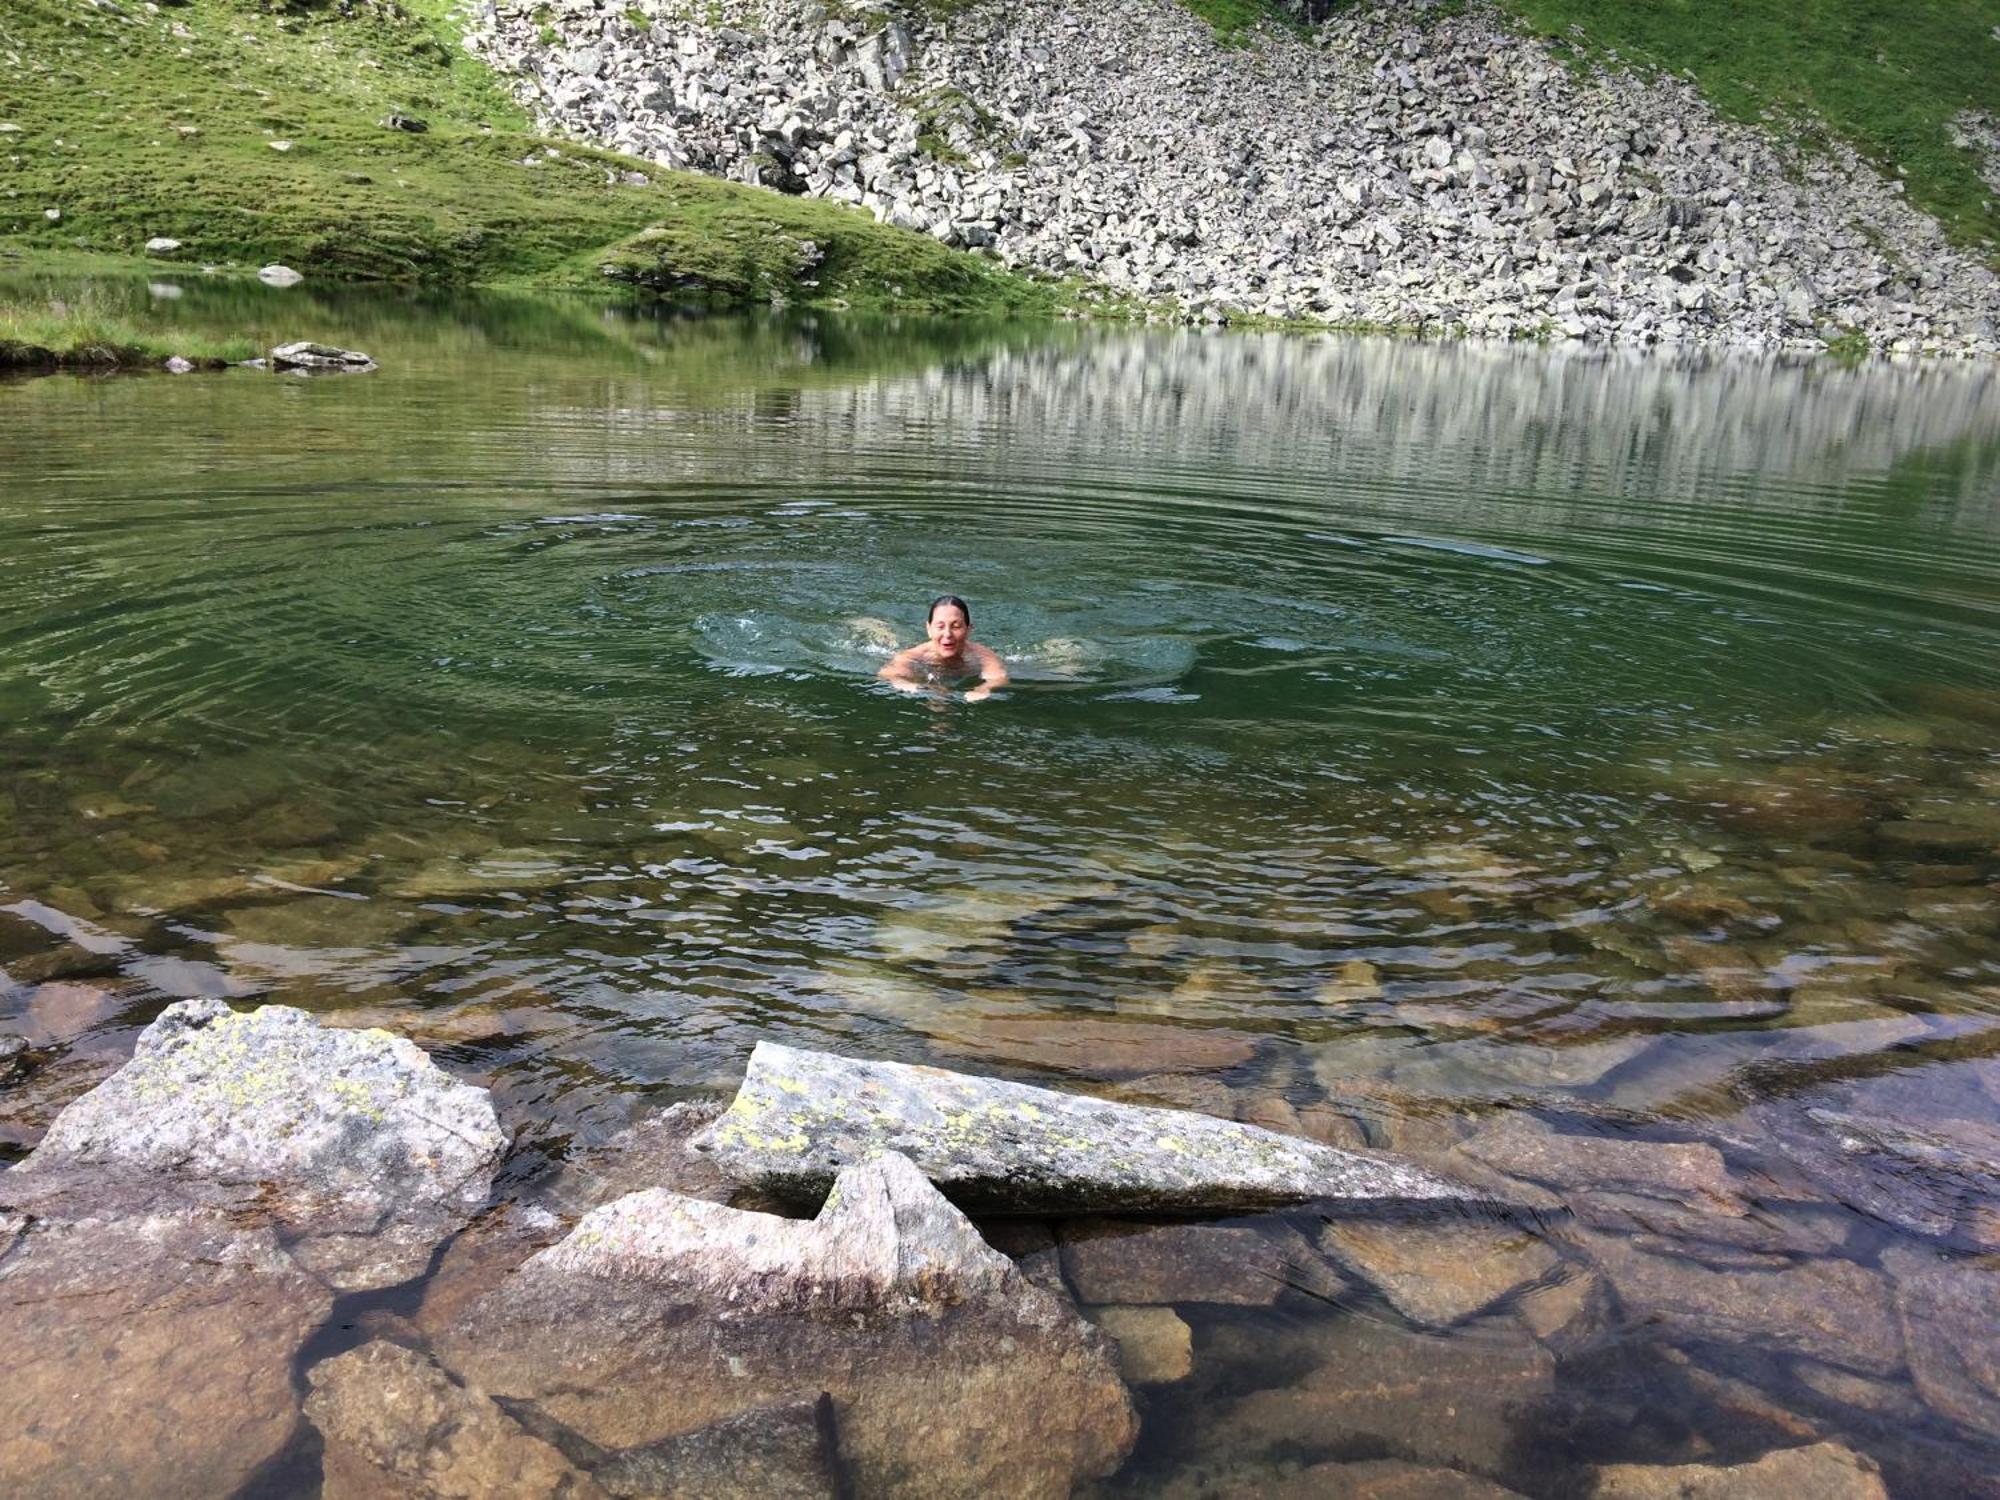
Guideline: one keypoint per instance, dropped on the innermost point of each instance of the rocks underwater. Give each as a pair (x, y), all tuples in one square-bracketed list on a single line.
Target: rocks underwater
[(172, 1254)]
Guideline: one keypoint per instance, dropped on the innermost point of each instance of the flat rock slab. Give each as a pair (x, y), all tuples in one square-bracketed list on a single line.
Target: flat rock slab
[(374, 1154), (950, 1374), (1950, 1313), (1097, 1049), (1826, 1309), (1001, 1147), (1438, 1273), (1124, 1260), (1458, 1402), (147, 1356)]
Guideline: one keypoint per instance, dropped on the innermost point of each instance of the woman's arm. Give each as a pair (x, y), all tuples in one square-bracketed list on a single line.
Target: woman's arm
[(900, 670), (992, 676)]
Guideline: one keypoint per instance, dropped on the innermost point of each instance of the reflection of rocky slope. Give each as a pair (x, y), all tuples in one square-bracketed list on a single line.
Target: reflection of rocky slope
[(1399, 414), (1383, 172)]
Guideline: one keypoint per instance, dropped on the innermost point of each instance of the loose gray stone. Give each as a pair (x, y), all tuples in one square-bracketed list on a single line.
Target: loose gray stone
[(162, 245), (276, 275), (375, 1155), (950, 1374), (801, 1117), (320, 358)]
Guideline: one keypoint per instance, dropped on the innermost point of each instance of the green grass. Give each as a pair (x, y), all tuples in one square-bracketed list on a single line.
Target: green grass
[(54, 333), (1886, 76), (131, 131), (1235, 20)]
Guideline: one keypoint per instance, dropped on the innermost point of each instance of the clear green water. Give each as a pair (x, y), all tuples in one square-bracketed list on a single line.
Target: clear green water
[(1467, 732)]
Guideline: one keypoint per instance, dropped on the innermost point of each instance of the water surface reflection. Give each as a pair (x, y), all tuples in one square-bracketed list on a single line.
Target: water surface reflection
[(1577, 767)]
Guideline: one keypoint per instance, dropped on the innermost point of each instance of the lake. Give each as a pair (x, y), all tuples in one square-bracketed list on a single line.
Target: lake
[(1411, 744)]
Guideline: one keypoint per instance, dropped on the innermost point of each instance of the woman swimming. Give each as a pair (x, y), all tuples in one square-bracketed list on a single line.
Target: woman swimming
[(950, 655)]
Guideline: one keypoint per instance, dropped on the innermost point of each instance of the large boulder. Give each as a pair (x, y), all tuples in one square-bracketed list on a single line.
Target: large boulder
[(801, 1117), (950, 1374), (367, 1151)]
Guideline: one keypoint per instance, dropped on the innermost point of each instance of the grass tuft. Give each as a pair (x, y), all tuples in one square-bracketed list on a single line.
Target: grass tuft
[(79, 332)]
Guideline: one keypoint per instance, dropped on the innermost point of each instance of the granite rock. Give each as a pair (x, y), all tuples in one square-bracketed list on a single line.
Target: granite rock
[(950, 1374), (996, 1146), (373, 1154)]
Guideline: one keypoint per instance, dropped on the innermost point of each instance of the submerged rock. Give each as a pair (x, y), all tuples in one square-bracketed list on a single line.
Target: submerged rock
[(801, 1117), (1425, 1399), (950, 1374), (1155, 1347), (778, 1452), (1436, 1274), (373, 1153), (1824, 1471), (147, 1356), (395, 1427), (1114, 1260), (1828, 1309), (1950, 1313)]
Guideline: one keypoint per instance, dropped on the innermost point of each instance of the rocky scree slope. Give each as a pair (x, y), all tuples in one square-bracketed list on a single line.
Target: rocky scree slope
[(1388, 168)]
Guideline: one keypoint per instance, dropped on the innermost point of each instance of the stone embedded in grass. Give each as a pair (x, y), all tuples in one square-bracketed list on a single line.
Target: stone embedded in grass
[(800, 1117), (373, 1154), (950, 1373), (162, 245)]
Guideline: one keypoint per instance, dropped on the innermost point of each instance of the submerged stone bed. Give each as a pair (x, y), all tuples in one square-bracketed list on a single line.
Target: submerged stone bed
[(171, 1253)]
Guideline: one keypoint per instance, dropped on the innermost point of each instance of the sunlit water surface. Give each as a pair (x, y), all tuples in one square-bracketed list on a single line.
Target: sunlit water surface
[(1421, 734)]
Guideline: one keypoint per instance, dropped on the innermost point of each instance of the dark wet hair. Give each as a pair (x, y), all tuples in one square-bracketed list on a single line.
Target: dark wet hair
[(953, 599)]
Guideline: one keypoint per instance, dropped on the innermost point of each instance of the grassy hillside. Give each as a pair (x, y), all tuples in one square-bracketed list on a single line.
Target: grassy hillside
[(254, 136), (1887, 76)]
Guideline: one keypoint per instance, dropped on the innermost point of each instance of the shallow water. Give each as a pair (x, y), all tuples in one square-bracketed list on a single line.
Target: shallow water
[(1435, 734)]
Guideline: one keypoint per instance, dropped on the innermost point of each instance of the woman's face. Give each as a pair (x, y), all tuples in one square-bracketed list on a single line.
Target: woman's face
[(948, 629)]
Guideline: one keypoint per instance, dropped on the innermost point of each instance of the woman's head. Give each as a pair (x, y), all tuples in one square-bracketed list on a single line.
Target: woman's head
[(948, 600), (948, 623)]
